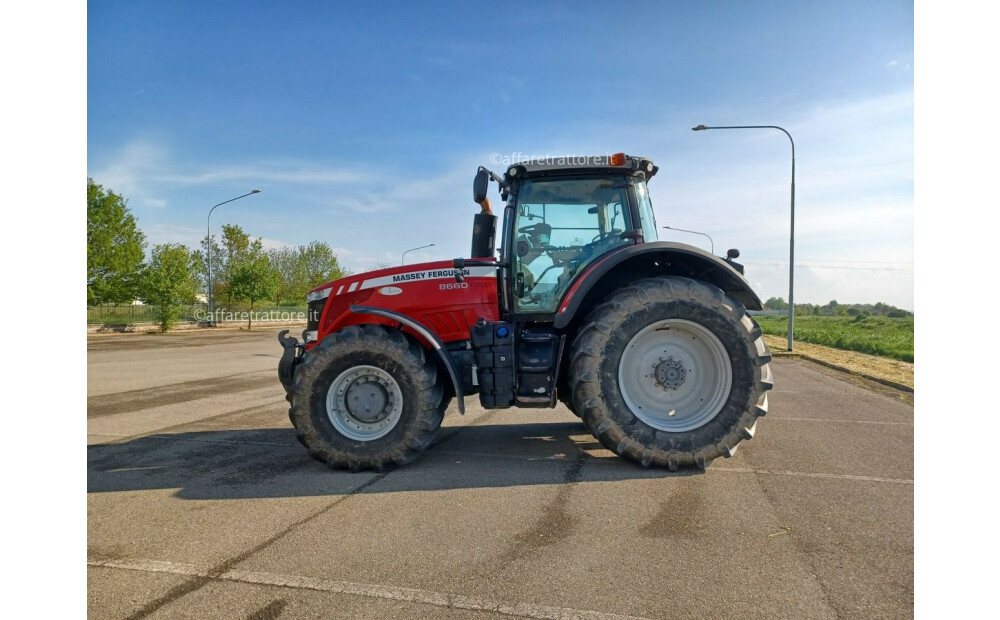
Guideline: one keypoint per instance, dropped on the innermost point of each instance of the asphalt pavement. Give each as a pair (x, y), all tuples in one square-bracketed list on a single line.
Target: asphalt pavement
[(201, 503)]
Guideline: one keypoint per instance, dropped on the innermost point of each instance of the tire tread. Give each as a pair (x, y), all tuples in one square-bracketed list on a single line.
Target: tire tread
[(341, 453), (637, 441)]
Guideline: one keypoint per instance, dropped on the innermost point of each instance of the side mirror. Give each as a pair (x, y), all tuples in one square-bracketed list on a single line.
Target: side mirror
[(733, 253), (480, 185)]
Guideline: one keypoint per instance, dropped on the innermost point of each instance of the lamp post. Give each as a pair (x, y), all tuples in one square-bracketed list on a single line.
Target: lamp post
[(402, 261), (694, 232), (791, 239), (211, 306)]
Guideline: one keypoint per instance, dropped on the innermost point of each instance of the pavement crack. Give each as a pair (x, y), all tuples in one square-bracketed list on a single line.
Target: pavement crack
[(147, 398), (555, 524), (176, 427), (270, 611), (215, 572), (680, 514), (445, 600), (199, 581), (799, 547)]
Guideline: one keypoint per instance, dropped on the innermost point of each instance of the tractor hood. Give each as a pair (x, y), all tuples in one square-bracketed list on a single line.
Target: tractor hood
[(393, 276), (428, 293)]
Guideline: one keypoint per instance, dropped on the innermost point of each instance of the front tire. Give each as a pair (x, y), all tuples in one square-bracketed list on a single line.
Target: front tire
[(670, 371), (367, 397)]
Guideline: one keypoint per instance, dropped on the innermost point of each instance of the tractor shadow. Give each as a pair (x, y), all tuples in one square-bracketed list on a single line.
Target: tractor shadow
[(270, 463)]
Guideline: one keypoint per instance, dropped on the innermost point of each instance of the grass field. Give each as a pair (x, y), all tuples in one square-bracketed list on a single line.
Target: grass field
[(877, 335)]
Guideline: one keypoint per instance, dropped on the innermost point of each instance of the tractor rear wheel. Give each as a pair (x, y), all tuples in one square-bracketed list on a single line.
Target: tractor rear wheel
[(670, 371), (367, 398)]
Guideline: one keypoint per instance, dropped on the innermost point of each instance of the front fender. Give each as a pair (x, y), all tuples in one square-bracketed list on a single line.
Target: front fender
[(429, 336)]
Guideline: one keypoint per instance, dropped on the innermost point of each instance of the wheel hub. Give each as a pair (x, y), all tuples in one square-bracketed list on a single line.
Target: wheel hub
[(367, 399), (670, 373), (675, 375), (364, 403)]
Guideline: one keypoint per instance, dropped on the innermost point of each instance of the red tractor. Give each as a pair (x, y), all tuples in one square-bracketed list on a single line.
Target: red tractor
[(648, 342)]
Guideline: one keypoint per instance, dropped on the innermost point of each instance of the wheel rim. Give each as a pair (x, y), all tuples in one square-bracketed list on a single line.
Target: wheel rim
[(675, 375), (364, 403)]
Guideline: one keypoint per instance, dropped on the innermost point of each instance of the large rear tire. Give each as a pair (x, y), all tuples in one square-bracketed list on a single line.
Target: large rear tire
[(367, 398), (671, 372)]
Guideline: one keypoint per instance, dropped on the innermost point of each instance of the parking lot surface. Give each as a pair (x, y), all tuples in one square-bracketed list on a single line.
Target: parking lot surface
[(201, 503)]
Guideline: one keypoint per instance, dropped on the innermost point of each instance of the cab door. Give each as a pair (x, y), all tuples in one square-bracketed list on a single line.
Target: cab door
[(560, 226)]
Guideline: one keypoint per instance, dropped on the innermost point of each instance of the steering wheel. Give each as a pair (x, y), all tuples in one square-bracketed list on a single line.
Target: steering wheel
[(601, 238)]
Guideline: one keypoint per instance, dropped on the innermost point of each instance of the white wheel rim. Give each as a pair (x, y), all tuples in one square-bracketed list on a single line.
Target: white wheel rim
[(675, 375), (364, 403)]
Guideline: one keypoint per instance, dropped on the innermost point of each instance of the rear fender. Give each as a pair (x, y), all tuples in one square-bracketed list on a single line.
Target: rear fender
[(647, 260)]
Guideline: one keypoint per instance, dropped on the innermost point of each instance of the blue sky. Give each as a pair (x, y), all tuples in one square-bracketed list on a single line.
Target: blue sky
[(364, 124)]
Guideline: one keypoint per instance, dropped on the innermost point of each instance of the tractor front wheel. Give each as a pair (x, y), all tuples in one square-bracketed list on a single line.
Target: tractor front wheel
[(367, 398), (670, 371)]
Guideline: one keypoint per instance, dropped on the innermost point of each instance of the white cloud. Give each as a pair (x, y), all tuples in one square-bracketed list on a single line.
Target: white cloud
[(273, 244), (360, 261), (157, 234), (144, 171), (820, 285), (900, 65), (267, 172), (128, 172)]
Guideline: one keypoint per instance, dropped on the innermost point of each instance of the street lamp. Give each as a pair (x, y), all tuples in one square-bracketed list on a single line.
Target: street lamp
[(791, 239), (402, 261), (211, 306), (694, 232)]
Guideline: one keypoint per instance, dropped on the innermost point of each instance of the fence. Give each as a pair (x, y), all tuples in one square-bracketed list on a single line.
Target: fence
[(767, 312), (195, 313)]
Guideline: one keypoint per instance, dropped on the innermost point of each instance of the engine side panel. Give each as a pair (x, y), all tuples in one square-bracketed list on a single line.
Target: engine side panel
[(428, 293)]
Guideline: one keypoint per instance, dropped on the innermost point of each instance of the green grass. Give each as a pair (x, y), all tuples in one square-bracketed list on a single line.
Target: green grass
[(877, 335), (125, 315)]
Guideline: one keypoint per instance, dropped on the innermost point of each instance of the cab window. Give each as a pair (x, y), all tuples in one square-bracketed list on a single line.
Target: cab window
[(562, 225), (648, 222)]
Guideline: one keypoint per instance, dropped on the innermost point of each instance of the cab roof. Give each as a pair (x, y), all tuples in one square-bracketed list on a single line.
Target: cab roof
[(596, 164)]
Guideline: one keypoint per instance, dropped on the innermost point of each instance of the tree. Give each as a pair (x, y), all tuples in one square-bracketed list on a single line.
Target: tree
[(254, 279), (235, 248), (285, 261), (303, 268), (776, 303), (317, 265), (169, 282), (804, 309), (115, 247), (203, 254)]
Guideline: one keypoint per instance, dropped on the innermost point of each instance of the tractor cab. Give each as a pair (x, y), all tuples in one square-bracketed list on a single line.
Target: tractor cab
[(560, 216)]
